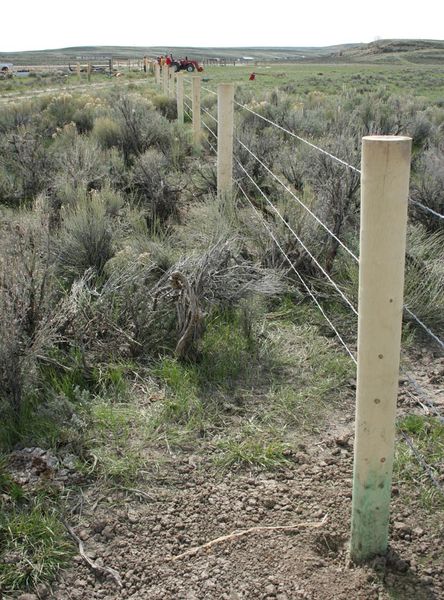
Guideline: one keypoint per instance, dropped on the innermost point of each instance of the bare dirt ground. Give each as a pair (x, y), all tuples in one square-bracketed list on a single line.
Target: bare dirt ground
[(140, 538), (189, 504), (184, 502)]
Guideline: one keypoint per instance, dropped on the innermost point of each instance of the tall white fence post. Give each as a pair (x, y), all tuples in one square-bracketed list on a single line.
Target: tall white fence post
[(179, 80), (225, 117), (384, 197), (157, 73), (165, 74), (196, 85)]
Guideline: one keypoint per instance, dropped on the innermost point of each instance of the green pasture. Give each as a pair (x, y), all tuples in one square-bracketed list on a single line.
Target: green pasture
[(412, 80)]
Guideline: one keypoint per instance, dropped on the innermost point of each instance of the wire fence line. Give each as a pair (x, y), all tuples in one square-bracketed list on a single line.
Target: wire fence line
[(426, 208), (418, 321), (210, 130), (299, 201), (319, 149), (421, 460), (209, 91), (298, 137), (207, 112), (422, 397), (412, 314), (295, 235), (429, 331), (309, 291)]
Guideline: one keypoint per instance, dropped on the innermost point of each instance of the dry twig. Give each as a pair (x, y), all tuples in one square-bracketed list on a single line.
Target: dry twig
[(91, 564), (238, 534)]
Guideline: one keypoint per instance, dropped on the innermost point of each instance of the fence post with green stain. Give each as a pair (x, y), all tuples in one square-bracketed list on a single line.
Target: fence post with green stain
[(384, 197)]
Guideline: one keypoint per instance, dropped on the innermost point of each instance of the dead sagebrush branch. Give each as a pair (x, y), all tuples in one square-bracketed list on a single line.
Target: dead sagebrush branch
[(91, 564), (238, 534)]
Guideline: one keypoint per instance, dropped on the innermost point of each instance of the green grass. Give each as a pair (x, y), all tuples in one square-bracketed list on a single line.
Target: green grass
[(253, 450), (427, 434), (33, 547), (301, 80), (115, 440)]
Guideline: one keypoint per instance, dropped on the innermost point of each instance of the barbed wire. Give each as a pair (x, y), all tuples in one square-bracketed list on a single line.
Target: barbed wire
[(188, 97), (429, 331), (289, 227), (309, 291), (209, 129), (412, 314), (211, 146), (209, 114), (319, 221), (293, 195), (421, 460), (209, 91), (298, 137), (428, 209)]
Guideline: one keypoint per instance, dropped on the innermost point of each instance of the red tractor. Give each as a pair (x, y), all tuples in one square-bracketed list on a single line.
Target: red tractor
[(185, 65)]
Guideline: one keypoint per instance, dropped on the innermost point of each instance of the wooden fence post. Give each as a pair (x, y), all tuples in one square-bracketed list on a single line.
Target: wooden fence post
[(78, 71), (179, 79), (88, 70), (195, 80), (165, 75), (225, 116), (172, 85), (157, 73), (384, 197)]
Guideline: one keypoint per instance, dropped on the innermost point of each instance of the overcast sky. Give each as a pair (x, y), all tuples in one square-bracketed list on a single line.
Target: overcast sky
[(42, 24)]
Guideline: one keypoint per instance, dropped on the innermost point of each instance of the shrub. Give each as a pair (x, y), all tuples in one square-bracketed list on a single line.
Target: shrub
[(428, 188), (166, 106), (80, 162), (26, 303), (25, 158), (107, 132), (151, 183), (85, 239), (141, 126)]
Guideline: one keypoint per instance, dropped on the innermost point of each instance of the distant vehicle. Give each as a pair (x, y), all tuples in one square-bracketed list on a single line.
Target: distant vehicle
[(185, 65), (6, 70)]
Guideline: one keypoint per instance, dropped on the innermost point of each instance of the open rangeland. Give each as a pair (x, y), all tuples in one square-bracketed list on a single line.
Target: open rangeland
[(177, 407)]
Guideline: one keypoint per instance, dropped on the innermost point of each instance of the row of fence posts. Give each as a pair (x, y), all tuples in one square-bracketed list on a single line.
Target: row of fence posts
[(385, 173)]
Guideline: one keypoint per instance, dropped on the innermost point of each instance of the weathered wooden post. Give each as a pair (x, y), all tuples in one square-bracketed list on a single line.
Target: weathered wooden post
[(78, 71), (172, 85), (180, 114), (225, 116), (384, 196), (195, 80), (165, 74), (88, 70), (157, 73)]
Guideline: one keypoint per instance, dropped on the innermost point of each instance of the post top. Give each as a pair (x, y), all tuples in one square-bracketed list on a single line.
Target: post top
[(387, 138)]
